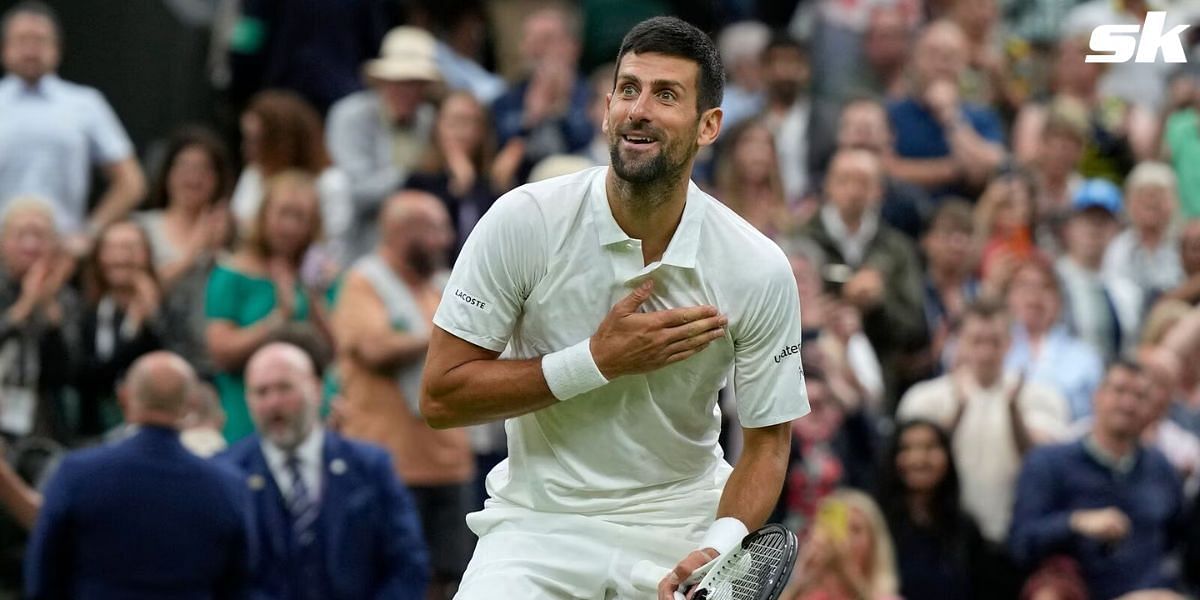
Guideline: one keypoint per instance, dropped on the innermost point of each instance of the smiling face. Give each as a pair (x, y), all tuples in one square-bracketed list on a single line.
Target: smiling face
[(653, 121), (27, 237), (921, 460), (122, 254), (192, 178)]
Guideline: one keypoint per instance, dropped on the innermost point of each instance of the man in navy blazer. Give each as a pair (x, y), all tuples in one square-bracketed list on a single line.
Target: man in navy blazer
[(333, 521), (143, 518)]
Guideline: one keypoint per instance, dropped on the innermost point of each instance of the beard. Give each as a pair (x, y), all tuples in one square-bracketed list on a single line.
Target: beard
[(784, 90), (666, 163), (422, 261)]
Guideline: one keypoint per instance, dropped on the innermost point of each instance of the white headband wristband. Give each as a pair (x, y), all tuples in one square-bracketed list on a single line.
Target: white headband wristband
[(572, 371), (724, 535)]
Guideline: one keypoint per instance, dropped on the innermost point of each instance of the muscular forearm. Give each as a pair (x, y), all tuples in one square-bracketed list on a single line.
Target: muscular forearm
[(485, 390), (753, 489)]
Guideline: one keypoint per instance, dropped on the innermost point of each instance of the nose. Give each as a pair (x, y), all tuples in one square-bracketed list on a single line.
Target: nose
[(638, 112)]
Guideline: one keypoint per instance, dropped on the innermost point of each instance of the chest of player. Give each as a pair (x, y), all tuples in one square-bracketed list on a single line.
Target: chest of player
[(579, 289)]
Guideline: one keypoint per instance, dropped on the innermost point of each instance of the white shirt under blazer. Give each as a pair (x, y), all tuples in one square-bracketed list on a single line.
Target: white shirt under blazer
[(542, 269)]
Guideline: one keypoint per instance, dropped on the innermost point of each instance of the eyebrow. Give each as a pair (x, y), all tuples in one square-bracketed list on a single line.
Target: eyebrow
[(658, 83)]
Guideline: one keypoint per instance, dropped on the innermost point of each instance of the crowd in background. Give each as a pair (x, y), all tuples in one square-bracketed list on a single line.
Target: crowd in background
[(996, 245)]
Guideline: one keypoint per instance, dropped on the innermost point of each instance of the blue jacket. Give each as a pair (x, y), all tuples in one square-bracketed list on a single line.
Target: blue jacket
[(368, 525), (142, 518), (1058, 480)]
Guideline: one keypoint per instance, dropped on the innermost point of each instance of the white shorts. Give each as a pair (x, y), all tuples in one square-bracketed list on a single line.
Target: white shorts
[(529, 555)]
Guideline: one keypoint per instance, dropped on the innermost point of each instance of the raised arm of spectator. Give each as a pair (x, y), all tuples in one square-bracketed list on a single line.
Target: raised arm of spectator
[(126, 187), (360, 323)]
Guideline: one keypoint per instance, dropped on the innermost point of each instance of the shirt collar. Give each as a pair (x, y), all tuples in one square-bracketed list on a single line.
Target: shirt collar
[(685, 242), (850, 243), (309, 451), (11, 84), (1121, 465)]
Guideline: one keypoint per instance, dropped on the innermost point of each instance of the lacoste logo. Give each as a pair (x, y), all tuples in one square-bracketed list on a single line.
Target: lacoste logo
[(472, 300)]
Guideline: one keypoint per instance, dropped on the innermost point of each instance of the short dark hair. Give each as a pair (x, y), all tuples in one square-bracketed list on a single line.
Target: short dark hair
[(986, 308), (35, 8), (675, 37), (780, 40), (1125, 363)]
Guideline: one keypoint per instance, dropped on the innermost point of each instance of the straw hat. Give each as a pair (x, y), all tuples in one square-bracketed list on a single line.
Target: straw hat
[(408, 54)]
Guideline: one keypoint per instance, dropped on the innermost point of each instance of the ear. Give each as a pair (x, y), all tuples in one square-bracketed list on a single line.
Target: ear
[(607, 105), (710, 126)]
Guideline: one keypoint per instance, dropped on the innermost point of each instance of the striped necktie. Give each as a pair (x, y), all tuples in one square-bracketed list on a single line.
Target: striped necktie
[(300, 504)]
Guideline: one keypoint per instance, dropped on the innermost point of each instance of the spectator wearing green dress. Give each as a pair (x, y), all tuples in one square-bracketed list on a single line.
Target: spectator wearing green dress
[(258, 294), (1181, 139)]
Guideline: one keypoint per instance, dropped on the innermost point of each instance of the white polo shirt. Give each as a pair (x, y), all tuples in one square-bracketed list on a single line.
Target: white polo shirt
[(542, 269)]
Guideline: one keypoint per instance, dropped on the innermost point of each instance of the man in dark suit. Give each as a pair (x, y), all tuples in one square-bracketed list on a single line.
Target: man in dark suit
[(334, 522), (143, 518)]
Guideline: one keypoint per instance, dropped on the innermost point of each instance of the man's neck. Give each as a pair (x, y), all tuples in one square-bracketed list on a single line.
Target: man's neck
[(986, 380), (852, 221), (945, 276), (648, 212), (1115, 446), (154, 418)]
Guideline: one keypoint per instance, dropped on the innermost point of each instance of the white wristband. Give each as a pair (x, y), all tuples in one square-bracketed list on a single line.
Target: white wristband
[(572, 371), (724, 535)]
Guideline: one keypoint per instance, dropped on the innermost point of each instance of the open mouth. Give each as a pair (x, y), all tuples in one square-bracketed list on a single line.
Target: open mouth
[(638, 140)]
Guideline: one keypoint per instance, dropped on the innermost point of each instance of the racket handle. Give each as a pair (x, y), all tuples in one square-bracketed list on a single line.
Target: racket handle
[(646, 575)]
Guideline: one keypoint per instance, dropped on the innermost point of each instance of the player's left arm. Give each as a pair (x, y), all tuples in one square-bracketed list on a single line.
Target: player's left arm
[(768, 383)]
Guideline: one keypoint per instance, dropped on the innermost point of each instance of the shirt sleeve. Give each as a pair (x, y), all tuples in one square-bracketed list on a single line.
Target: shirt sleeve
[(107, 140), (987, 124), (495, 272), (768, 376), (220, 296)]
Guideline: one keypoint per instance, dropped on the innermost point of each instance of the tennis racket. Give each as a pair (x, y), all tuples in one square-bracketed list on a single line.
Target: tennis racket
[(758, 569)]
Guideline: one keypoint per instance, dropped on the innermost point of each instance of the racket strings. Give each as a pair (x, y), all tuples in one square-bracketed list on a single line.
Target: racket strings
[(747, 574)]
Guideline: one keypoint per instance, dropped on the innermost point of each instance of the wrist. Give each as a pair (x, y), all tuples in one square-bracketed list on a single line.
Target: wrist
[(724, 534), (572, 371)]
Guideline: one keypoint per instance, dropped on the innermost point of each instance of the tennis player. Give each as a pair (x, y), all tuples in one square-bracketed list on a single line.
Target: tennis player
[(600, 313)]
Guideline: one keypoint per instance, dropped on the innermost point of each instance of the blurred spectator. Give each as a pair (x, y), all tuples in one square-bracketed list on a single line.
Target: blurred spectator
[(1055, 167), (994, 416), (39, 327), (1042, 347), (864, 125), (950, 281), (887, 43), (458, 166), (943, 144), (602, 80), (1147, 253), (377, 136), (188, 227), (834, 328), (869, 264), (939, 550), (1119, 133), (1037, 21), (333, 521), (848, 554), (986, 80), (1004, 223), (258, 292), (382, 321), (123, 320), (1144, 83), (143, 517), (1189, 259), (313, 47), (825, 452), (548, 109), (1181, 142), (282, 132), (748, 180), (741, 46), (1105, 501), (1181, 447), (845, 35), (1103, 310), (786, 75), (52, 132)]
